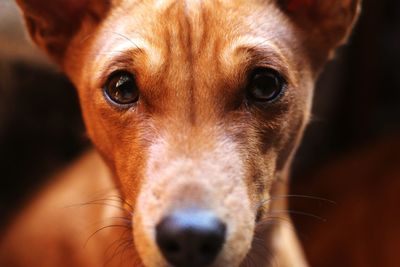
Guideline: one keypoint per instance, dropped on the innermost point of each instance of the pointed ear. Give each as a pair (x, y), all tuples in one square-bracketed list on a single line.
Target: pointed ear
[(330, 21), (53, 23)]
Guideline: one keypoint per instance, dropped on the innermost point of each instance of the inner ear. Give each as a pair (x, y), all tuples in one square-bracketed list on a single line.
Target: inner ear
[(53, 23), (319, 5), (330, 21)]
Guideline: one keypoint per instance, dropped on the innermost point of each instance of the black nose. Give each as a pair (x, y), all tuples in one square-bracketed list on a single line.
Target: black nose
[(190, 238)]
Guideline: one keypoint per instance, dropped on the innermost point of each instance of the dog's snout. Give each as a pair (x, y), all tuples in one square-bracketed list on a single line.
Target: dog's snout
[(190, 238)]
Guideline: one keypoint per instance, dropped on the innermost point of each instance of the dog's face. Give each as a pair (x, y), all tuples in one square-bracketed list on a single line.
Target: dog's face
[(196, 106)]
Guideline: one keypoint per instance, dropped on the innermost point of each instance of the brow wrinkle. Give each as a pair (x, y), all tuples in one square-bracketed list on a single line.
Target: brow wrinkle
[(93, 34), (191, 62)]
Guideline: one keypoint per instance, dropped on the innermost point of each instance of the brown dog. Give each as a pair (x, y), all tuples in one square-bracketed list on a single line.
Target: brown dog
[(195, 108)]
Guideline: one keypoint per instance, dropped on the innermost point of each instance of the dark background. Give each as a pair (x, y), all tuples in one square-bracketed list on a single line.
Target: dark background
[(350, 154)]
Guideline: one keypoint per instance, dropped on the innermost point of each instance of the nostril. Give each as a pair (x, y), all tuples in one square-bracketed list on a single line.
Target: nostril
[(171, 247), (209, 248), (190, 238)]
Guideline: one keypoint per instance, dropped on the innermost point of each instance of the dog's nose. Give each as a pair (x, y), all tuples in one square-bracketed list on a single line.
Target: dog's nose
[(190, 238)]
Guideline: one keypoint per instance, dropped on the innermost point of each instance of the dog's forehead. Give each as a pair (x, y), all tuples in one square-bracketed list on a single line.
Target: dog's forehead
[(234, 16), (198, 27), (162, 4)]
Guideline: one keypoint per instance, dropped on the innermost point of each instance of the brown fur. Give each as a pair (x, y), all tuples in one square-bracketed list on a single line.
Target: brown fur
[(191, 140)]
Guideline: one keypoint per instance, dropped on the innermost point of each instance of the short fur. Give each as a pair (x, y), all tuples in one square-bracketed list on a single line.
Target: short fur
[(191, 140)]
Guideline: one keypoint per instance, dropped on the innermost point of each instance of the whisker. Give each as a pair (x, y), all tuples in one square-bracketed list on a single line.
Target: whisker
[(104, 202), (119, 240), (306, 197), (97, 203), (259, 254), (277, 197), (122, 218), (274, 219), (271, 220), (295, 212), (272, 198), (102, 228), (120, 247), (127, 244), (123, 200)]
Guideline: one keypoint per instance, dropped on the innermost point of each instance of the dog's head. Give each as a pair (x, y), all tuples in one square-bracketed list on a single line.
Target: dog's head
[(196, 106)]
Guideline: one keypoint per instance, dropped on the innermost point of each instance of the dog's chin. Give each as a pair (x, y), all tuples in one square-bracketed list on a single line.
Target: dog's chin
[(231, 263), (222, 261)]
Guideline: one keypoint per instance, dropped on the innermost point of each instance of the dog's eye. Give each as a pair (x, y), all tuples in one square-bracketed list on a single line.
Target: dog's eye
[(121, 88), (265, 85)]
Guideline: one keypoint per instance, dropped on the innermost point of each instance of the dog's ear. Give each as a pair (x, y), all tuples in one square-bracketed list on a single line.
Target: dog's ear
[(329, 21), (53, 23)]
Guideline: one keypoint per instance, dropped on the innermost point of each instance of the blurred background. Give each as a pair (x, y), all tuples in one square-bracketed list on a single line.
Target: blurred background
[(350, 155)]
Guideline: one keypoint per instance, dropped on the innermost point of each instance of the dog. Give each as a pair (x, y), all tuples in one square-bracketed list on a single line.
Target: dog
[(195, 109)]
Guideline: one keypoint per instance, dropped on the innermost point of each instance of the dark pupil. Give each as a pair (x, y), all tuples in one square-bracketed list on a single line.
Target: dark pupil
[(265, 86), (122, 89)]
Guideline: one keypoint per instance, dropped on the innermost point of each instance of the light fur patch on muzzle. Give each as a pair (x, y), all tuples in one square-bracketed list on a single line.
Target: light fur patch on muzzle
[(212, 180)]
